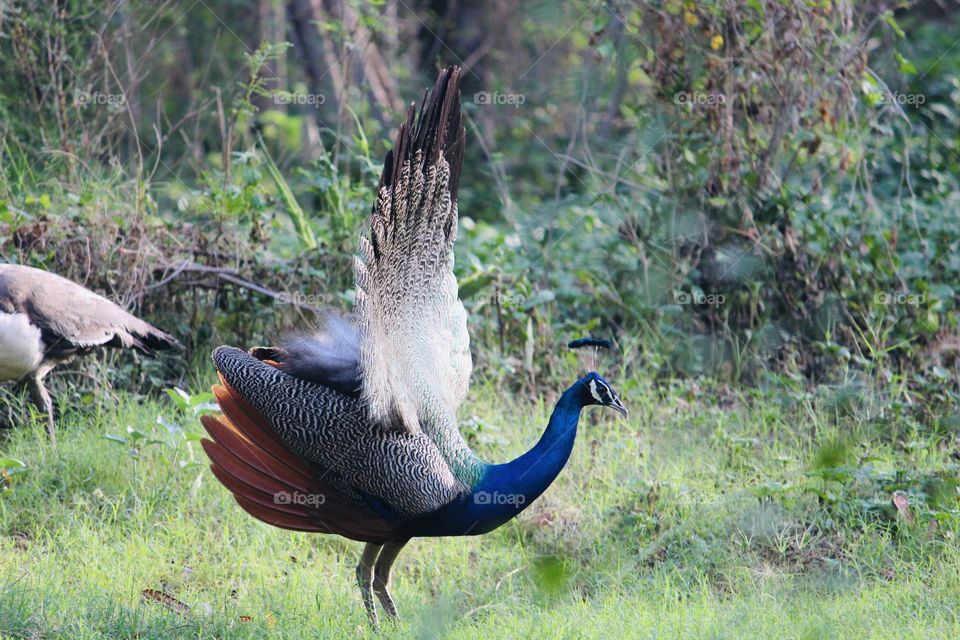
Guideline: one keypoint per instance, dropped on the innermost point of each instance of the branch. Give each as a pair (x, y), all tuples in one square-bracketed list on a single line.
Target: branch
[(230, 275)]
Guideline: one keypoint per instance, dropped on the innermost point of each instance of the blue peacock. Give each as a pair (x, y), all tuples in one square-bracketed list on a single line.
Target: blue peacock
[(352, 430)]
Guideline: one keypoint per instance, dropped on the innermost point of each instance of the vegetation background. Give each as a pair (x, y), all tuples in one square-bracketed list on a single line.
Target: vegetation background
[(756, 200)]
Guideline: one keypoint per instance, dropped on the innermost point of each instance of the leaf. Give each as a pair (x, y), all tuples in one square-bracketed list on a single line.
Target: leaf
[(135, 435), (172, 427), (906, 66), (12, 465), (943, 294), (180, 397), (297, 214), (206, 406), (892, 23), (543, 296), (474, 283), (200, 398), (770, 489)]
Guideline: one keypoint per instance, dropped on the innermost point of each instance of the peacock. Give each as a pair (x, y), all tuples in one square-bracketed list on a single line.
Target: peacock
[(352, 430), (46, 320)]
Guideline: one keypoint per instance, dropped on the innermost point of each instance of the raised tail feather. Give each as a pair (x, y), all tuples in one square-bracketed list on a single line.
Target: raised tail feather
[(271, 483)]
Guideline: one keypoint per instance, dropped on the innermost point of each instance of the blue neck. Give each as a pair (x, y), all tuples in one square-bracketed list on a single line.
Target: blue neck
[(536, 469), (504, 490)]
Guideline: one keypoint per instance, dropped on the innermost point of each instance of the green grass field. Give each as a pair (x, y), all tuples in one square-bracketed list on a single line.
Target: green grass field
[(761, 517)]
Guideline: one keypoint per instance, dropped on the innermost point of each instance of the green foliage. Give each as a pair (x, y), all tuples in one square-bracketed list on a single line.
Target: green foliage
[(9, 468), (754, 198), (299, 218)]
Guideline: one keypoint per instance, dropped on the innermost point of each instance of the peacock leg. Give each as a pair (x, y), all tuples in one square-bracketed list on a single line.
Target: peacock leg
[(381, 575), (43, 400), (365, 579)]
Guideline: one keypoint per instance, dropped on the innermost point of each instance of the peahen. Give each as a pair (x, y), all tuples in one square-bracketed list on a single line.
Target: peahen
[(46, 320), (353, 430)]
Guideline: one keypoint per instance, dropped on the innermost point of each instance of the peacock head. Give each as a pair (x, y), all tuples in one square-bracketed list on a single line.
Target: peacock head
[(596, 390)]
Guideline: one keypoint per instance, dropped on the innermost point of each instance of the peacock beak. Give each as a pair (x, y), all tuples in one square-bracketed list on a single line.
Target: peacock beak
[(618, 405)]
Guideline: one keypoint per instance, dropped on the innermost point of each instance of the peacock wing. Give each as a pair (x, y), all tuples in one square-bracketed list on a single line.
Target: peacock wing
[(383, 476), (415, 350)]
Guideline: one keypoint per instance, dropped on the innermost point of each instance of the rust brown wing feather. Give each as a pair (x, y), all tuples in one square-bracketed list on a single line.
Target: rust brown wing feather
[(268, 481)]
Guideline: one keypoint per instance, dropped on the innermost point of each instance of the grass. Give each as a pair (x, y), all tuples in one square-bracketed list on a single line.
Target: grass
[(705, 515)]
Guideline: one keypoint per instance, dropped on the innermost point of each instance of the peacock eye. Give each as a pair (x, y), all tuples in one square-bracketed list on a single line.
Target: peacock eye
[(600, 392)]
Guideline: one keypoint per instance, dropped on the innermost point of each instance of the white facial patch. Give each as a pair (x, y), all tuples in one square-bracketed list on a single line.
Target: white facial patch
[(594, 392), (21, 347)]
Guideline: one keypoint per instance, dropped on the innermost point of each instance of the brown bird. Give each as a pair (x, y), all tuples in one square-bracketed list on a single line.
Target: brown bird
[(46, 320)]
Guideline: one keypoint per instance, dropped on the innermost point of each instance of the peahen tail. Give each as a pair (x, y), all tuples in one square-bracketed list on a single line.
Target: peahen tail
[(147, 339)]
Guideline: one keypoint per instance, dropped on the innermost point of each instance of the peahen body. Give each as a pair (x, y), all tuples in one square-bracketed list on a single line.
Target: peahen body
[(46, 320), (353, 431)]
